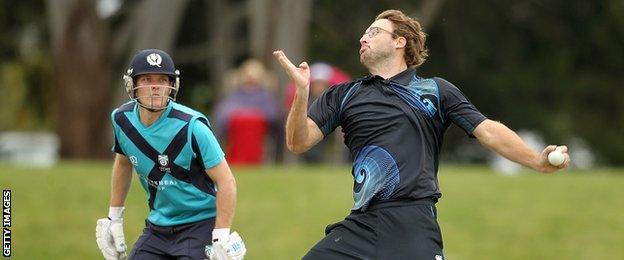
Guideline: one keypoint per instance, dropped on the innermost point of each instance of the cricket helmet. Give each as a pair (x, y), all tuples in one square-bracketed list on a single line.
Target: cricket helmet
[(151, 61)]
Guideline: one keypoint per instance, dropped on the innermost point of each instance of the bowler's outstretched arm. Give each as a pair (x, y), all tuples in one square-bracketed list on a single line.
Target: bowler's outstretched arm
[(499, 138)]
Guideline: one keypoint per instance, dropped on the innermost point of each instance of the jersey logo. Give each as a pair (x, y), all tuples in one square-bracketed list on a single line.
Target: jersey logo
[(159, 184), (421, 94), (154, 59), (163, 160), (430, 108), (360, 177), (134, 160), (376, 175)]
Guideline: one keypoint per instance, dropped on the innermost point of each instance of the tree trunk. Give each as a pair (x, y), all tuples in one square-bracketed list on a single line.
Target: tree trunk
[(285, 25), (81, 50), (152, 24), (83, 55)]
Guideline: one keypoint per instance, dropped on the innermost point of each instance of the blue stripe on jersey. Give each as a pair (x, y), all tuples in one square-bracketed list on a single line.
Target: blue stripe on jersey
[(348, 95), (126, 126), (173, 150), (463, 122), (180, 115), (419, 93), (178, 189), (332, 122), (126, 107)]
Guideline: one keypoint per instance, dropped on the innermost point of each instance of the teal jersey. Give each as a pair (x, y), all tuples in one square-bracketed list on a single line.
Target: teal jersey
[(171, 157)]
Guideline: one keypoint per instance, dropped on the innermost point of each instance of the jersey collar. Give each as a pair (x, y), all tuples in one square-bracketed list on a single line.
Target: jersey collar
[(403, 78), (160, 119)]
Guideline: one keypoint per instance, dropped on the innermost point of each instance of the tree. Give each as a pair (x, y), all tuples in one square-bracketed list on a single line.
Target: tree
[(83, 55)]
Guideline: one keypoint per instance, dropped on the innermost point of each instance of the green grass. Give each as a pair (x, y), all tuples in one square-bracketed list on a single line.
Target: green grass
[(282, 211)]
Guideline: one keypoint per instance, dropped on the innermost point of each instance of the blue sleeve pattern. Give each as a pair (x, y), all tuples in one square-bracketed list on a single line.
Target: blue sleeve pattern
[(205, 144), (116, 146), (326, 110)]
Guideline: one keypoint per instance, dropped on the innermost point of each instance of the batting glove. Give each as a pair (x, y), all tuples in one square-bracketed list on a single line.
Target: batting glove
[(226, 246), (110, 237)]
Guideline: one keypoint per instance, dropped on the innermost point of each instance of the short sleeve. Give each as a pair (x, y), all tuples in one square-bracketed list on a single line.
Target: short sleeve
[(116, 147), (458, 108), (325, 110), (205, 144)]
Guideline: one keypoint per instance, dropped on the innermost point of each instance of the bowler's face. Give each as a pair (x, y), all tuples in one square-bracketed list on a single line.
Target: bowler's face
[(377, 42)]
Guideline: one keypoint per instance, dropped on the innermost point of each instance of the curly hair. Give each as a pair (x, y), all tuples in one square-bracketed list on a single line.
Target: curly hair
[(410, 29)]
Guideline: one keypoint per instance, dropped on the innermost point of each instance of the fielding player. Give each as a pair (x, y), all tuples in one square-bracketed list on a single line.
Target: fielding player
[(393, 122), (190, 189)]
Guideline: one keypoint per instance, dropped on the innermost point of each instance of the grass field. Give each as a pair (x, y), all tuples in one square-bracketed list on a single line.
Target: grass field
[(282, 211)]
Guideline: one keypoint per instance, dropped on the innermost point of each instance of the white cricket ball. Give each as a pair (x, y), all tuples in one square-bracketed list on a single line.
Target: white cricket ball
[(556, 158)]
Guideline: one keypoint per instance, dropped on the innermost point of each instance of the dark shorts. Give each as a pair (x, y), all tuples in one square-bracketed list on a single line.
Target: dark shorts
[(405, 230), (186, 241)]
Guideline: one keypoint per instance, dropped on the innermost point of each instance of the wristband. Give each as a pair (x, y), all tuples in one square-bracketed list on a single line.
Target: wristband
[(220, 234), (115, 213)]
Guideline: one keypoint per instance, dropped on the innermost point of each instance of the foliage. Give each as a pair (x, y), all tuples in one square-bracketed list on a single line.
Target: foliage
[(545, 66), (25, 68), (549, 66)]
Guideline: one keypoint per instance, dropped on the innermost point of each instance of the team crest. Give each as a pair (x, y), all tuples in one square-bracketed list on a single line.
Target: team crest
[(163, 160), (154, 59)]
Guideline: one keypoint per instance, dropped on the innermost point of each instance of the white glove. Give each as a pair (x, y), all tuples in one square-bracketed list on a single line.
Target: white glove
[(110, 237), (229, 247)]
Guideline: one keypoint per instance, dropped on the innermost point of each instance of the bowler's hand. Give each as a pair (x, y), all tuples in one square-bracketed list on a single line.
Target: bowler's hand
[(545, 166), (300, 75)]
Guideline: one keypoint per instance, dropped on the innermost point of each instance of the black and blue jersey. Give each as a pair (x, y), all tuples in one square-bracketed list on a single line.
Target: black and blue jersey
[(394, 130)]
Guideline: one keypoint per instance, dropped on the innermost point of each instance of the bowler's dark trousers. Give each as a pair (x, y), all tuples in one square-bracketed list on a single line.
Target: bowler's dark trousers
[(392, 230)]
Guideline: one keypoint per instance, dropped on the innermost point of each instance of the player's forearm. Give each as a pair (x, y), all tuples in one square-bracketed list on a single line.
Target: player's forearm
[(296, 124), (502, 140), (226, 203), (120, 184)]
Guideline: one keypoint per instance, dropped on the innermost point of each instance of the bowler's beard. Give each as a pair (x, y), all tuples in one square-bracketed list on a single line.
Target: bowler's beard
[(374, 59)]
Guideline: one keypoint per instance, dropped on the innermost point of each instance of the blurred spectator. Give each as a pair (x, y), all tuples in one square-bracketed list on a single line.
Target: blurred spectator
[(322, 77), (247, 114), (502, 165)]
